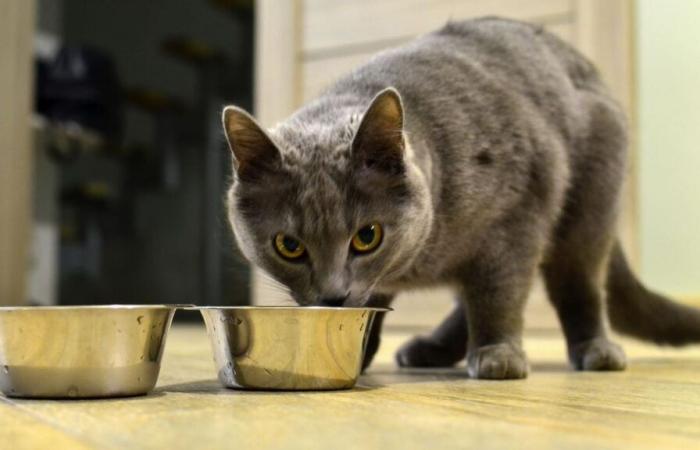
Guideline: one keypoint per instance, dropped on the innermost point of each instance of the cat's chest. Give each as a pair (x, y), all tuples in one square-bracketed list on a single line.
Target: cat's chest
[(452, 243), (428, 269)]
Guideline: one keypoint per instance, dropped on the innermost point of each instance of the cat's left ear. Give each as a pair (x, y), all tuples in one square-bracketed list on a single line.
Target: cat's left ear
[(379, 141)]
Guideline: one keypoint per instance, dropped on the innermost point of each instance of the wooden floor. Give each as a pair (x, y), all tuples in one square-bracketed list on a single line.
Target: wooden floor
[(654, 404)]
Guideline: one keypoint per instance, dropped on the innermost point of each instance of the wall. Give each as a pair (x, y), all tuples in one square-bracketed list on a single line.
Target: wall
[(669, 142), (16, 37)]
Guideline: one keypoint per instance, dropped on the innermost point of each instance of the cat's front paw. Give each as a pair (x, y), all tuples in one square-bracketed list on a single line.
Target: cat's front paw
[(422, 351), (597, 354), (498, 362)]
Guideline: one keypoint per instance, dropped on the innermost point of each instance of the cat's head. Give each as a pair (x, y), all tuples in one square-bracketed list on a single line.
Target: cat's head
[(330, 202)]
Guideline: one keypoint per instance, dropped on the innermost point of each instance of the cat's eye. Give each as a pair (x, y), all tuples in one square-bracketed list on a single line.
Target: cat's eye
[(289, 247), (367, 238)]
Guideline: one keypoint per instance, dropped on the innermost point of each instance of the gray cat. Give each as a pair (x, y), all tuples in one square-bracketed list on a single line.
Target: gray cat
[(472, 157)]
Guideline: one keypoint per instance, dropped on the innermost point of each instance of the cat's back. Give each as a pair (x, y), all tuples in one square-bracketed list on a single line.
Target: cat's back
[(514, 48), (493, 48), (491, 66)]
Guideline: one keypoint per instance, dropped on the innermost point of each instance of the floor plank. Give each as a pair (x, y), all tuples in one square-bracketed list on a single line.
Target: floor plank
[(21, 430), (654, 404)]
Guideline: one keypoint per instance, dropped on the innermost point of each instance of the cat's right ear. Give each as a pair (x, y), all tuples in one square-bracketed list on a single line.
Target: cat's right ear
[(253, 150), (379, 141)]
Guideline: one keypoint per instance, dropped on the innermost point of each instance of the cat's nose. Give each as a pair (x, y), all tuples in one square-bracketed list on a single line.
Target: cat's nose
[(333, 301)]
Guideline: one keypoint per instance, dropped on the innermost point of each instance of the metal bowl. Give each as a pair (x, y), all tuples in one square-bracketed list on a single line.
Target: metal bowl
[(288, 348), (82, 351)]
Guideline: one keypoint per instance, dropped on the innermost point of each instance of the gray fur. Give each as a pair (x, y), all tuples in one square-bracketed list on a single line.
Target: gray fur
[(511, 155)]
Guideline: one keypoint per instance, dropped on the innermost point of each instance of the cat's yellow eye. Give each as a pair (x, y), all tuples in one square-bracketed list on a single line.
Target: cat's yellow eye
[(367, 238), (288, 247)]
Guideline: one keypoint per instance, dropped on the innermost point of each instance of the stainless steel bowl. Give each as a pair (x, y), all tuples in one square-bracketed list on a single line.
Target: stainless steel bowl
[(288, 348), (81, 351)]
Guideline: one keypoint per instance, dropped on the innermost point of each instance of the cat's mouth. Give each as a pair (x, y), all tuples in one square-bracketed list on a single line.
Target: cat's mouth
[(349, 301), (358, 302)]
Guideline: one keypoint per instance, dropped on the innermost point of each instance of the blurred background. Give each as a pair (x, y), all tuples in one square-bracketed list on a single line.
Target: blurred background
[(128, 166), (113, 164)]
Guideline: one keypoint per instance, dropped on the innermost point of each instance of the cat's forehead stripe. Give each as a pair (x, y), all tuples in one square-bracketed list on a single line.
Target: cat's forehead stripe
[(319, 198)]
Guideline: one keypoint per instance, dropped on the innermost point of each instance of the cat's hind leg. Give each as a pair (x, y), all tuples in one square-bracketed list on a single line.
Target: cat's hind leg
[(444, 347), (575, 265), (574, 288)]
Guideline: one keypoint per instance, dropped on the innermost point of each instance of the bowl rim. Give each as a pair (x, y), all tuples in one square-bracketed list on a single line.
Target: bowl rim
[(290, 307), (112, 307)]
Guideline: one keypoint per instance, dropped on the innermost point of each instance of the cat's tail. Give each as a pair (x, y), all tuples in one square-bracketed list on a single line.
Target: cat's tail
[(636, 311)]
